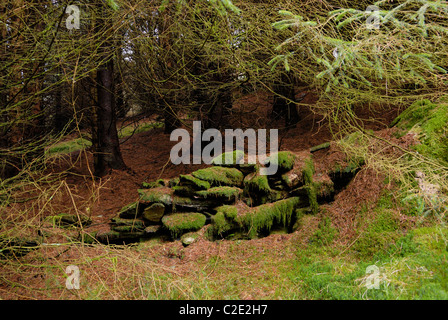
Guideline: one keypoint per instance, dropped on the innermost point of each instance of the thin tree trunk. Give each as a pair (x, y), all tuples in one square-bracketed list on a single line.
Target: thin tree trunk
[(107, 154)]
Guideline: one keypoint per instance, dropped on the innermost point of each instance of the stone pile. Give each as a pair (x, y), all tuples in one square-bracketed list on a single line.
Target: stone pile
[(234, 199)]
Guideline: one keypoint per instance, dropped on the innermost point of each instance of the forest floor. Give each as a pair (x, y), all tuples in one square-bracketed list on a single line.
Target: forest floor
[(326, 258)]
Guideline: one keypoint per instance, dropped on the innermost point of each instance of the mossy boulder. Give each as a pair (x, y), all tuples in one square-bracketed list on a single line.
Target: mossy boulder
[(180, 223), (161, 195), (189, 204), (129, 211), (132, 223), (310, 186), (283, 159), (116, 237), (254, 183), (220, 226), (256, 221), (154, 212), (154, 184), (220, 176), (191, 181), (261, 219), (258, 191), (152, 230), (229, 158), (64, 220), (230, 212), (224, 194)]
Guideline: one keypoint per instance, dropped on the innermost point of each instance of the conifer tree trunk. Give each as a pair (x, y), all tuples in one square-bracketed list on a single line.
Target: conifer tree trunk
[(107, 153)]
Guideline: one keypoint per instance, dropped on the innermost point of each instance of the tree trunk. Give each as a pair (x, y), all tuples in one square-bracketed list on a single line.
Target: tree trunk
[(107, 153), (108, 156), (284, 101)]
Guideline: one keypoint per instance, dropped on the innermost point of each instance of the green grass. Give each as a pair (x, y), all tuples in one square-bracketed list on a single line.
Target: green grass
[(68, 146), (82, 143)]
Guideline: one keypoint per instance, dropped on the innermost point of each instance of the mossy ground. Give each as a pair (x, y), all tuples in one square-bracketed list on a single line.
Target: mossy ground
[(429, 121)]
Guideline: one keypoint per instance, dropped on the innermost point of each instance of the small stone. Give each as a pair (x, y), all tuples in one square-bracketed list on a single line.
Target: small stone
[(189, 238), (152, 230), (154, 212)]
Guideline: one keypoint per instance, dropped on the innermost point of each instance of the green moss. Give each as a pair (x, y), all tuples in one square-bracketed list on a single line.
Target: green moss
[(223, 193), (220, 225), (262, 218), (429, 122), (195, 182), (433, 134), (284, 159), (310, 187), (134, 223), (180, 223), (173, 182), (184, 191), (374, 244), (379, 236), (413, 114), (230, 212), (69, 220), (325, 234), (229, 158), (218, 176), (161, 194), (385, 220), (256, 183), (153, 184), (131, 210), (127, 229)]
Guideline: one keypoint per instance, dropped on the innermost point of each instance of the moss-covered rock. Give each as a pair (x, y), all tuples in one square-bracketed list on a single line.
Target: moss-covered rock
[(130, 211), (229, 158), (220, 226), (255, 183), (257, 189), (261, 219), (191, 181), (64, 220), (189, 238), (188, 204), (180, 223), (173, 182), (154, 212), (283, 159), (137, 223), (220, 176), (230, 212), (184, 191), (162, 195), (154, 184), (224, 194), (323, 185), (310, 187), (152, 230), (115, 237)]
